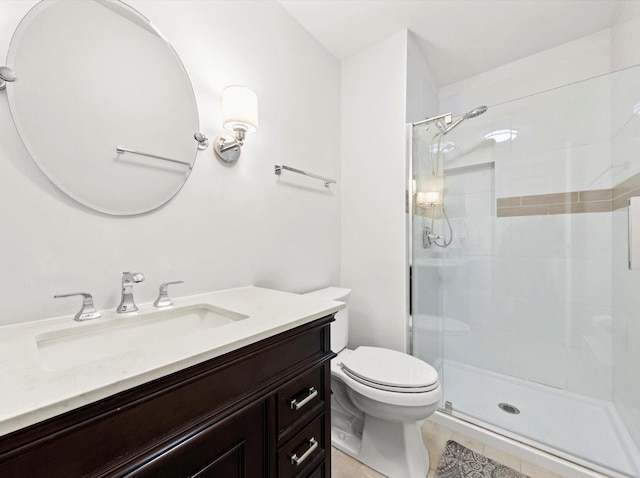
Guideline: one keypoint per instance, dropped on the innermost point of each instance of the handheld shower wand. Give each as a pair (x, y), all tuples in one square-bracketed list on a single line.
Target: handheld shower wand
[(429, 235)]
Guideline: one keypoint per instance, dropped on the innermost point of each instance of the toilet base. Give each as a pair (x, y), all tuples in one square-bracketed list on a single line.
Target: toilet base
[(394, 449)]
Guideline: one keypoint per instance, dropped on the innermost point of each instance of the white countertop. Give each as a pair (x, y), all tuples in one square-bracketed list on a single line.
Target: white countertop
[(30, 393)]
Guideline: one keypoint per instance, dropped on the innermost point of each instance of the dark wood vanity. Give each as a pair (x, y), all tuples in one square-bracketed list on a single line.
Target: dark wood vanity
[(259, 411)]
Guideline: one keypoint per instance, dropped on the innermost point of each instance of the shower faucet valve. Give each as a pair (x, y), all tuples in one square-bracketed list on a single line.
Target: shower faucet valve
[(428, 239)]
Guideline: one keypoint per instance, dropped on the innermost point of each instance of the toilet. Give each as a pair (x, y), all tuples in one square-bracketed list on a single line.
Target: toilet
[(380, 398)]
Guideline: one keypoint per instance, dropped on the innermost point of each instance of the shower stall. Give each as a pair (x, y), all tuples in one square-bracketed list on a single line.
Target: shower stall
[(521, 292)]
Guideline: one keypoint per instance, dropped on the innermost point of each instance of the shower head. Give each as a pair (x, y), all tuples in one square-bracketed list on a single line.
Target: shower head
[(471, 114), (476, 112)]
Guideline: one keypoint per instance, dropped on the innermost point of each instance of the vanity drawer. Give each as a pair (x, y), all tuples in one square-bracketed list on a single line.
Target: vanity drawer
[(304, 452), (301, 397), (319, 472)]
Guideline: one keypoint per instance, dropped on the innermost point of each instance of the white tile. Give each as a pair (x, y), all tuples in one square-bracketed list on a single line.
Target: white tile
[(480, 179), (530, 277), (591, 63), (589, 120), (549, 368), (625, 51), (541, 173), (470, 273), (589, 235), (625, 161), (597, 86), (477, 236), (624, 97), (540, 236), (542, 129), (589, 167), (584, 320), (588, 377), (480, 204), (469, 307), (547, 69), (590, 281)]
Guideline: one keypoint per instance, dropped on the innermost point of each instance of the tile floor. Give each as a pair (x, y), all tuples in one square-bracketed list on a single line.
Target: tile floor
[(435, 437)]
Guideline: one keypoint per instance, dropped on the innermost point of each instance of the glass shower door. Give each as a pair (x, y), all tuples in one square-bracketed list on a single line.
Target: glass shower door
[(534, 304)]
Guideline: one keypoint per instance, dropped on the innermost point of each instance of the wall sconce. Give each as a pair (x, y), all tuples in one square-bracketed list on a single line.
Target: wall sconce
[(239, 115), (428, 199)]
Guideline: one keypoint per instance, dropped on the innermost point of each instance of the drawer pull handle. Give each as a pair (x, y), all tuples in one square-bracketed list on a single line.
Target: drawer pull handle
[(297, 405), (296, 460)]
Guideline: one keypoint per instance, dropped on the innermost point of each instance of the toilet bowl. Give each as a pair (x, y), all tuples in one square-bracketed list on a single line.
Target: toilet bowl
[(379, 399)]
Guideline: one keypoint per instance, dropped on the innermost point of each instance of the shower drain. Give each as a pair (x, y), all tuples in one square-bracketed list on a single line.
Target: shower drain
[(508, 408)]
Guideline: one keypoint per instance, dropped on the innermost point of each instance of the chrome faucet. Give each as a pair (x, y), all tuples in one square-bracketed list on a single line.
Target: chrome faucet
[(127, 303)]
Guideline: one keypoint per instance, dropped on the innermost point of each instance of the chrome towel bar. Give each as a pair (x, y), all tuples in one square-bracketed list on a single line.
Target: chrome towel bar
[(327, 181), (121, 150)]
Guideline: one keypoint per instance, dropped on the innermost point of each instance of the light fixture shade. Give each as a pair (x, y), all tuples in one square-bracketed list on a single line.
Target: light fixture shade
[(428, 198), (239, 108)]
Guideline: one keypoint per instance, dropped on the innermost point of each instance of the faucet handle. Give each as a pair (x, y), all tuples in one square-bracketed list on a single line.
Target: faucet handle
[(163, 299), (87, 311)]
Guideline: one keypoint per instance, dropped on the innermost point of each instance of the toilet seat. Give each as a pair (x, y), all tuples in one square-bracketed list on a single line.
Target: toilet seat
[(388, 388), (413, 399), (390, 370)]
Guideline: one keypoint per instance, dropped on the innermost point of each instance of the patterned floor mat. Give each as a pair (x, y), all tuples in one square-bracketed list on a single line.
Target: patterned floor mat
[(460, 462)]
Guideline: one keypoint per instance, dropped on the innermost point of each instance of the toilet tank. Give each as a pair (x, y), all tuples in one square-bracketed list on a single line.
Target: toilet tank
[(339, 328)]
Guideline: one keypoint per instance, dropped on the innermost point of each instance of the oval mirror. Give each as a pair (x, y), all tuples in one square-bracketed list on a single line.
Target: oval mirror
[(102, 104)]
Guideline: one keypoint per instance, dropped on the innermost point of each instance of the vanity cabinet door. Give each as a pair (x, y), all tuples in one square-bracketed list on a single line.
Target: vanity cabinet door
[(231, 448)]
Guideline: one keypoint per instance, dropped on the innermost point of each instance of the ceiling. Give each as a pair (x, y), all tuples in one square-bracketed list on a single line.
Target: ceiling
[(459, 38)]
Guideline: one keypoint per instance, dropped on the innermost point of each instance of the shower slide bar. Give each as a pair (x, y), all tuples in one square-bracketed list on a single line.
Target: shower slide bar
[(447, 118), (327, 181), (121, 150)]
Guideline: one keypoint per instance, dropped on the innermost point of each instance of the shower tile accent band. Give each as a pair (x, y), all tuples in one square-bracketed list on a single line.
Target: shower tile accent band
[(576, 202)]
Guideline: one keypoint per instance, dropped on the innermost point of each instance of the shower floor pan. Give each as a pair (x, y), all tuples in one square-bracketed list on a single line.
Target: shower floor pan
[(577, 428)]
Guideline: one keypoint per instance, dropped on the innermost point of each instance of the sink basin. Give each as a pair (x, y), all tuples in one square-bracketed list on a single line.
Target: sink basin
[(62, 349)]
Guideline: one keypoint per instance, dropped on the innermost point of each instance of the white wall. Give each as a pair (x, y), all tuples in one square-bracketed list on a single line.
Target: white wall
[(373, 254), (229, 226)]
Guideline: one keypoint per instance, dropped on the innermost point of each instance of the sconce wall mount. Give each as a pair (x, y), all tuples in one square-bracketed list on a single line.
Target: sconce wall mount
[(228, 149)]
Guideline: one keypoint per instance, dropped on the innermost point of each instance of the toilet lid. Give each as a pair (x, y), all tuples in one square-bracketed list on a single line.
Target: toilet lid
[(390, 370)]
